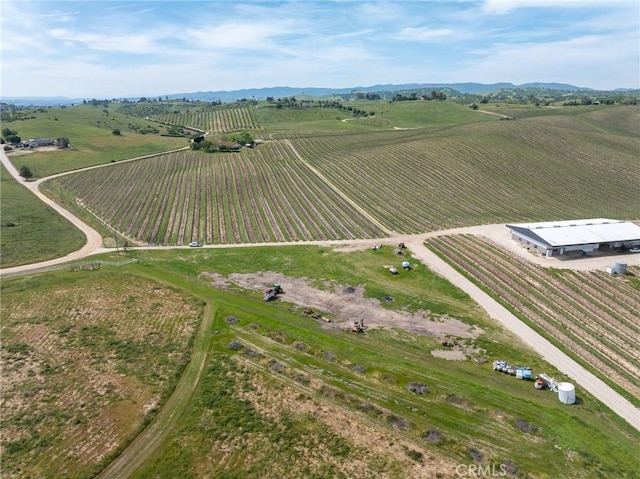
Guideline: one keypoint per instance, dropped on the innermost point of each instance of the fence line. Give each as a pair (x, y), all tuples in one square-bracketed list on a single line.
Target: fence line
[(84, 265)]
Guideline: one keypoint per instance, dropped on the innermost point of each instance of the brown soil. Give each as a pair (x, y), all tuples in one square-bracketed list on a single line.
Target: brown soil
[(344, 304), (26, 151)]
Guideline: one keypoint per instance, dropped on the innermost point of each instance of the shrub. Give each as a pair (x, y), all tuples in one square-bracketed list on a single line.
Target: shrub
[(526, 426), (434, 436), (476, 455), (418, 388)]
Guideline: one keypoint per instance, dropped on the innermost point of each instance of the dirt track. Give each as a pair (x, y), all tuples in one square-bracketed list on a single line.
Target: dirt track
[(136, 453)]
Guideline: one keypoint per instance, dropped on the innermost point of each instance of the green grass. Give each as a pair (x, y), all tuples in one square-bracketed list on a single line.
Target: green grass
[(387, 115), (580, 441), (31, 231), (89, 130)]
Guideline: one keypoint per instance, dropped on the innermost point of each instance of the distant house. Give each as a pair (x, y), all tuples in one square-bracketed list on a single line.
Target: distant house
[(36, 142)]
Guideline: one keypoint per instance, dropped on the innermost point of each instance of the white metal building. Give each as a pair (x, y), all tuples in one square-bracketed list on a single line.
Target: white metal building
[(561, 237)]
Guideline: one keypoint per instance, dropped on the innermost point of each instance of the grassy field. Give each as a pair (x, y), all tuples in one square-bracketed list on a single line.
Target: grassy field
[(283, 395), (87, 358), (89, 130), (31, 231), (386, 115)]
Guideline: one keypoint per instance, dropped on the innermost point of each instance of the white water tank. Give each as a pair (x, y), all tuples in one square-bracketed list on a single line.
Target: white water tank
[(620, 267), (566, 393)]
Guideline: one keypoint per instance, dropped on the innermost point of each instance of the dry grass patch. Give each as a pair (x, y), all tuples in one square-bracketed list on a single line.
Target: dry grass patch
[(381, 447), (83, 363)]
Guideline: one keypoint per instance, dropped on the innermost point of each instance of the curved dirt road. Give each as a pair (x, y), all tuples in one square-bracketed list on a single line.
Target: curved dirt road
[(94, 239)]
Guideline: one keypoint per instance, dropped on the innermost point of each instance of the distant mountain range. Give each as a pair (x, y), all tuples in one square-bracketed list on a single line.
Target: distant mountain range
[(285, 91)]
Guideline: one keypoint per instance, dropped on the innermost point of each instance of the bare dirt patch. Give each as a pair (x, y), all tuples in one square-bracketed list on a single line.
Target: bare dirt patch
[(345, 304), (26, 151)]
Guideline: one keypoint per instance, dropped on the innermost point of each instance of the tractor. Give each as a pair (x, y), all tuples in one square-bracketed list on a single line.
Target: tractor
[(272, 292)]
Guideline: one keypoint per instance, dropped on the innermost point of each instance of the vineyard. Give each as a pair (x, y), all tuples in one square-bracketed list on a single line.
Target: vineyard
[(490, 172), (261, 195), (77, 353), (593, 314), (220, 119), (363, 184)]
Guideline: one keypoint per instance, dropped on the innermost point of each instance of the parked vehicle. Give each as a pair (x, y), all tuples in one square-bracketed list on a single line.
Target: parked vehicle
[(195, 244)]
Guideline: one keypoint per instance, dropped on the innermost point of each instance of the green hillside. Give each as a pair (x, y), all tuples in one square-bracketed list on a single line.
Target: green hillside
[(90, 132)]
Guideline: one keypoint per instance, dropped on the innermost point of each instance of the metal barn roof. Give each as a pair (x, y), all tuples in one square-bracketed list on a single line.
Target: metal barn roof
[(575, 232)]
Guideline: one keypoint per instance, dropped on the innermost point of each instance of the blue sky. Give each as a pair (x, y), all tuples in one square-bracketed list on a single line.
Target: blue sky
[(94, 49)]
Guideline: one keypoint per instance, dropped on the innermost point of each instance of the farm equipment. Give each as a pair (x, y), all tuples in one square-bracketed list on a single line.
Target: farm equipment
[(272, 292), (520, 372), (358, 326), (315, 315), (551, 383)]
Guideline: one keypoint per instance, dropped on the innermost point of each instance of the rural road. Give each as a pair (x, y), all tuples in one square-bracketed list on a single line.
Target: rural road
[(94, 239), (138, 451)]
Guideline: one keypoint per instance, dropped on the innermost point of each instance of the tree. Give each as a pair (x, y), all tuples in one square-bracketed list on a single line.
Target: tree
[(25, 172), (242, 138), (7, 132), (116, 132)]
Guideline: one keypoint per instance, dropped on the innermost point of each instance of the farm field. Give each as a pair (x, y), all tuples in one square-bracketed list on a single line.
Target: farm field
[(282, 393), (262, 195), (220, 119), (334, 185), (421, 180), (27, 224), (386, 116), (88, 356), (592, 314)]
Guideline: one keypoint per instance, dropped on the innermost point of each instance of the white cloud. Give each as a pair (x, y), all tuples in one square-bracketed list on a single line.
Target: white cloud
[(593, 61), (423, 34), (236, 35), (113, 42), (59, 16), (505, 6)]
